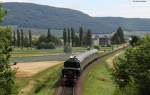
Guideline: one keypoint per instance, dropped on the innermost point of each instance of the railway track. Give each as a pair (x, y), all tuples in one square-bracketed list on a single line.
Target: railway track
[(63, 90)]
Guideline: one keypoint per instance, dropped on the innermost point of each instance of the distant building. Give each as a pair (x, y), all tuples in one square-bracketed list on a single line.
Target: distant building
[(104, 41), (95, 39)]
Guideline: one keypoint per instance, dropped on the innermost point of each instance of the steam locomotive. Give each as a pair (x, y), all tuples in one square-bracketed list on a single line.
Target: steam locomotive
[(75, 65)]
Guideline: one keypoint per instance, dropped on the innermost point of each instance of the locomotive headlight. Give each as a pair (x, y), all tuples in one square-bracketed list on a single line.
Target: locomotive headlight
[(65, 76)]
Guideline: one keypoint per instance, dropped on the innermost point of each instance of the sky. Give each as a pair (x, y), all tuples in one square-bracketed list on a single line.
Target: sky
[(101, 8)]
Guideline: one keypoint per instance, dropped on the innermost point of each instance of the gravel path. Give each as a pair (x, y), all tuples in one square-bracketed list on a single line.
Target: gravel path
[(111, 59)]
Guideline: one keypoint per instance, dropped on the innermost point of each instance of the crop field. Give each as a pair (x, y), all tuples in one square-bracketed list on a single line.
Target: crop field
[(28, 55), (34, 55), (99, 80), (42, 83), (17, 52), (30, 69)]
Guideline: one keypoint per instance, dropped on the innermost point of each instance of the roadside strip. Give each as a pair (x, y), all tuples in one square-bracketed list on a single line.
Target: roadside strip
[(96, 76)]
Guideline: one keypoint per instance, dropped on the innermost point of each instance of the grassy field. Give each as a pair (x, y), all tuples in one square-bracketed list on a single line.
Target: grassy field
[(98, 80), (17, 52), (41, 84), (34, 55)]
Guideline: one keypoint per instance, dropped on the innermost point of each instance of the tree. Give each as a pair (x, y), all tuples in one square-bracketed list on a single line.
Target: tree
[(69, 38), (77, 41), (89, 38), (134, 40), (132, 71), (43, 39), (49, 45), (14, 43), (22, 39), (18, 38), (30, 39), (49, 35), (2, 13), (26, 42), (7, 75), (121, 35), (115, 39), (81, 36), (65, 36), (72, 36), (118, 37)]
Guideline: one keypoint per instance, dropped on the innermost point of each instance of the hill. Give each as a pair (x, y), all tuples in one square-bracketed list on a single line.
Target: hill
[(41, 16)]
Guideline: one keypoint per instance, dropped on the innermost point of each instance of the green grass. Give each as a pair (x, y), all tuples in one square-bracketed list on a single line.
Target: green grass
[(17, 52), (46, 84), (57, 50), (21, 53), (98, 80), (43, 82)]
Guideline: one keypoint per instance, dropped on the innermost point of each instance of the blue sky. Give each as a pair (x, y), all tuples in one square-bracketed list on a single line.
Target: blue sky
[(121, 8)]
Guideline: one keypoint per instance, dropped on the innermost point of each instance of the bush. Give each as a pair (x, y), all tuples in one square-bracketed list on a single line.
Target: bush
[(97, 47), (132, 71), (43, 45), (7, 75), (134, 40), (51, 45), (45, 39)]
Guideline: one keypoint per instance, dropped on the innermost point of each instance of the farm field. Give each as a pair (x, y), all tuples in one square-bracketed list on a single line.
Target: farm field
[(98, 79), (42, 82), (17, 52), (34, 55), (29, 69)]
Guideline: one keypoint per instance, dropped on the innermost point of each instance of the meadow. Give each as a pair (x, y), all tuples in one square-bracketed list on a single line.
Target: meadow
[(98, 79)]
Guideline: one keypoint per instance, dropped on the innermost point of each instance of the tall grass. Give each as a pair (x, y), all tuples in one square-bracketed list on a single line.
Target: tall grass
[(98, 80), (44, 82)]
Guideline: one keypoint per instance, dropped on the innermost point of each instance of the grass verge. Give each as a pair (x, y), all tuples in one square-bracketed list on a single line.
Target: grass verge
[(24, 53), (42, 84), (98, 80)]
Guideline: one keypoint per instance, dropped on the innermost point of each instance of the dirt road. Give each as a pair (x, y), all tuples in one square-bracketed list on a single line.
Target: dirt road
[(110, 61)]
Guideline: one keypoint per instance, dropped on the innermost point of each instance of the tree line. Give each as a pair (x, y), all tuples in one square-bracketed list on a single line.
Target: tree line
[(77, 39), (132, 69), (20, 40), (48, 41), (70, 37)]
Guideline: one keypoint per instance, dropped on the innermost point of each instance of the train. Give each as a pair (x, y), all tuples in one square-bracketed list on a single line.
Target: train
[(74, 66)]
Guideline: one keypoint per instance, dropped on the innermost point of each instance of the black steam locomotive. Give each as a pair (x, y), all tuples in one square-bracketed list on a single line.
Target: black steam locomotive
[(74, 66)]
